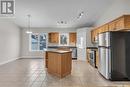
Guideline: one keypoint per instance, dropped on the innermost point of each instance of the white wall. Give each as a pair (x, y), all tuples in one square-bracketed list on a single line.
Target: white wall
[(117, 9), (9, 41), (84, 33), (88, 37), (25, 53)]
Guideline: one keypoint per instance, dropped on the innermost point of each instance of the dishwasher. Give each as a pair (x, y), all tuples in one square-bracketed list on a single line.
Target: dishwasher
[(74, 53)]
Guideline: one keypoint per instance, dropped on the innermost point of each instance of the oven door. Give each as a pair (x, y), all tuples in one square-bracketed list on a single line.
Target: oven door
[(93, 58)]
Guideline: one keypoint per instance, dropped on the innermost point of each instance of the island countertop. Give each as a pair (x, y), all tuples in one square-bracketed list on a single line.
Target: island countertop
[(58, 51)]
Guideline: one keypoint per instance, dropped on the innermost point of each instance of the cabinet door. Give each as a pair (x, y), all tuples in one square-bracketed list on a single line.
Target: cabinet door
[(127, 21), (92, 36), (112, 26), (53, 37), (119, 24), (72, 38), (50, 37), (105, 28), (56, 37), (101, 29)]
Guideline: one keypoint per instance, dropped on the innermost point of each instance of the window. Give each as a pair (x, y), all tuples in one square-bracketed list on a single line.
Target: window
[(38, 41), (64, 39)]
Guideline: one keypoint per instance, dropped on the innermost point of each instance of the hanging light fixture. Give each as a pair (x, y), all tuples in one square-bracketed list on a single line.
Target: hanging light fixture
[(29, 23)]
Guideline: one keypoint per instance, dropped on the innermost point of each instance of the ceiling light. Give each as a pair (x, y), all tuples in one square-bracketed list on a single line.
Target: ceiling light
[(28, 32), (61, 22), (80, 15), (29, 28)]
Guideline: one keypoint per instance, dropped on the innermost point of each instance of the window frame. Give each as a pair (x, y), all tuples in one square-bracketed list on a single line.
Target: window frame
[(30, 42), (67, 35)]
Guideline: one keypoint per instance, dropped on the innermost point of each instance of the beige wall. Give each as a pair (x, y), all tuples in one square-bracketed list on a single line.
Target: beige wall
[(9, 41)]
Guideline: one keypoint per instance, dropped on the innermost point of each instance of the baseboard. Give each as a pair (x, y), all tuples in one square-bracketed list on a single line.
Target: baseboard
[(81, 60), (8, 61), (24, 57)]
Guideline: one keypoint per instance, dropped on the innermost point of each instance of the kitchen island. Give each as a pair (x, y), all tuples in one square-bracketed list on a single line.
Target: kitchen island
[(59, 62)]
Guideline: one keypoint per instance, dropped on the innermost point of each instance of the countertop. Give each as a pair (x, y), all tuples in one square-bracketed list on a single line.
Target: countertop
[(92, 47), (61, 46), (57, 51)]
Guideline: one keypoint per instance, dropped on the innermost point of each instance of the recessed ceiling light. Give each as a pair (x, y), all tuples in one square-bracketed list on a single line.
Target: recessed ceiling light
[(61, 22), (80, 15)]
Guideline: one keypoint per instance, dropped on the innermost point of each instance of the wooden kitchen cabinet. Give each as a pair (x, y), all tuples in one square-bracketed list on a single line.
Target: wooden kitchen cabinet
[(120, 24), (46, 59), (72, 38), (53, 37), (59, 63), (105, 28), (112, 26), (116, 25), (127, 22), (94, 34), (102, 29)]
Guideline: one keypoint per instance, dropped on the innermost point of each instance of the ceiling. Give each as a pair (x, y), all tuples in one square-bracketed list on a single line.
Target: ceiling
[(46, 13)]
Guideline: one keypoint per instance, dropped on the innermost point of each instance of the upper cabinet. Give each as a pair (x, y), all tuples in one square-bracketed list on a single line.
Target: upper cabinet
[(120, 24), (94, 34), (72, 38), (53, 37), (112, 26), (64, 38), (117, 24), (127, 21)]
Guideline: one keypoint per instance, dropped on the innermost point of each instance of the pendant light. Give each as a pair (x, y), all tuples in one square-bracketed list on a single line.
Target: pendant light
[(29, 23)]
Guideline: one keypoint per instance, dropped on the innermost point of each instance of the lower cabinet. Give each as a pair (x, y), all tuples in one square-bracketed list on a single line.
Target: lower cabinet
[(46, 59), (59, 63)]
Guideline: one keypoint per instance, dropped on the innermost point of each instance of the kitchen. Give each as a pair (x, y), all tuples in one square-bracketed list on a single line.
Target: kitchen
[(112, 63), (65, 43), (73, 41)]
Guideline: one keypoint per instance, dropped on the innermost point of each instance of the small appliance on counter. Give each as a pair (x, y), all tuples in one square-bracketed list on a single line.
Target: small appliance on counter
[(114, 55)]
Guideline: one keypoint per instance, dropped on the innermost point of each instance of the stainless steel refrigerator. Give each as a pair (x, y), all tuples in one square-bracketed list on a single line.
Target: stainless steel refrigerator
[(114, 53)]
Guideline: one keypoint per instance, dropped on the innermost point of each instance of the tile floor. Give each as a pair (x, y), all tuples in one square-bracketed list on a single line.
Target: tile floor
[(32, 73)]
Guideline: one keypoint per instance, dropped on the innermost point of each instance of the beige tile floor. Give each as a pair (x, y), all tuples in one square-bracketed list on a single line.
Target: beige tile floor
[(32, 73)]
